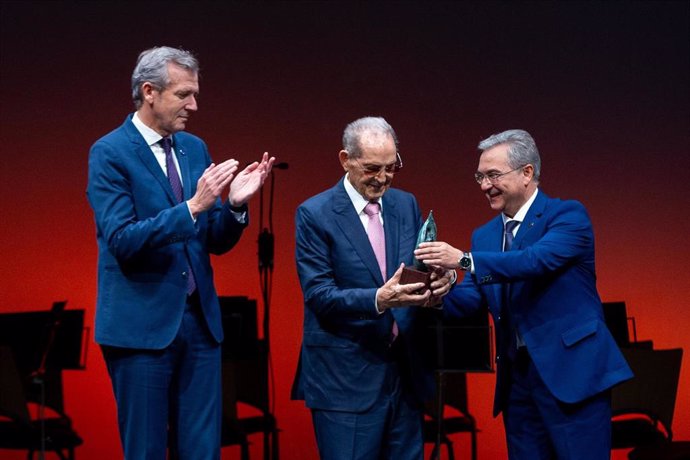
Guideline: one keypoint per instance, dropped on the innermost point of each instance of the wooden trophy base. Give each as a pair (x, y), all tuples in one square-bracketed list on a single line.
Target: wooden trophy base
[(411, 276)]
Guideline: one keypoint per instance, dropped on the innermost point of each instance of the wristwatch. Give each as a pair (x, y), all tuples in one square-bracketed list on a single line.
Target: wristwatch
[(465, 262)]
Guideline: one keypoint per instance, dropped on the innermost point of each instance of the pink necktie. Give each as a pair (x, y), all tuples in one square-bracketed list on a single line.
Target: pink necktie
[(376, 236), (378, 243)]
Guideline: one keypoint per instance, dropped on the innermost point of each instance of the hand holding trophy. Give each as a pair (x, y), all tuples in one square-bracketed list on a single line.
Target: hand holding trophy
[(421, 273)]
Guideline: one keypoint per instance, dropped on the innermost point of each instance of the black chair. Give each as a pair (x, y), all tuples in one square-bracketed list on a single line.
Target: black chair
[(643, 407), (52, 430), (438, 426), (245, 380), (232, 433), (621, 325)]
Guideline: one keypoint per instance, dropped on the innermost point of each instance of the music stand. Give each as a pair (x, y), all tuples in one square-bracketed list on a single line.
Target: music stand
[(43, 344), (459, 345)]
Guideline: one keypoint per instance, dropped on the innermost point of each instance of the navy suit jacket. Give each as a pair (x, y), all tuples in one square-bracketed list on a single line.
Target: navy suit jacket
[(345, 344), (553, 299), (147, 241)]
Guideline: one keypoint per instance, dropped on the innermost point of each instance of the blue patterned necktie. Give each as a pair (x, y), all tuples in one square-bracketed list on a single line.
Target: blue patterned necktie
[(510, 226), (505, 313), (176, 185), (173, 175)]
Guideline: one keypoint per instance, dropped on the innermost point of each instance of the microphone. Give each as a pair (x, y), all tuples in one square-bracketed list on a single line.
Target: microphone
[(282, 165)]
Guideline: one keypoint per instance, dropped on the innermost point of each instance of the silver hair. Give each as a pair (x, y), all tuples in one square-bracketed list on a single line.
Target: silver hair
[(152, 67), (373, 125), (523, 150)]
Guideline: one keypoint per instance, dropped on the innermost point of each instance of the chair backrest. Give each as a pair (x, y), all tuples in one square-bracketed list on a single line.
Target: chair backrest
[(12, 397), (653, 390), (245, 356), (250, 376), (454, 392), (616, 318)]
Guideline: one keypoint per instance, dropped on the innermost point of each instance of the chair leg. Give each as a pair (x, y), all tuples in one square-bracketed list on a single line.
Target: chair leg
[(245, 450), (449, 447), (274, 446), (473, 434), (434, 453)]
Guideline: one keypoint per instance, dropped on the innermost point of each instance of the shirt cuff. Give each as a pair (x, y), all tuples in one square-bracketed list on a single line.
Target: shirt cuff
[(239, 212), (190, 212)]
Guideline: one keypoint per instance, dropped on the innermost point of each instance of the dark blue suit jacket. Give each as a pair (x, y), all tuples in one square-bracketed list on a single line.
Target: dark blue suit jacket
[(553, 299), (147, 241), (343, 356)]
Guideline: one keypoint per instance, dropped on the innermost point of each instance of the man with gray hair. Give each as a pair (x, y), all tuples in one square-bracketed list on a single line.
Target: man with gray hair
[(533, 267), (360, 370), (156, 198)]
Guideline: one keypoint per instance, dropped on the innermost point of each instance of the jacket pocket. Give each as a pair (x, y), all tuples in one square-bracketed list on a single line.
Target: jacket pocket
[(579, 333)]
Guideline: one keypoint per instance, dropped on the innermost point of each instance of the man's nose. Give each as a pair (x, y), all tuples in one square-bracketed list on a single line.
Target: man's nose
[(192, 104)]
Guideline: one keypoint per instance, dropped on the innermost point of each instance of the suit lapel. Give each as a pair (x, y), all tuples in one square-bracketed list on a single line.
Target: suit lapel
[(147, 157), (535, 212), (351, 225)]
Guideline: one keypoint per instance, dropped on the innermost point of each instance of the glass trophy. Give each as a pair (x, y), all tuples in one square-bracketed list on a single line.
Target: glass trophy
[(419, 272)]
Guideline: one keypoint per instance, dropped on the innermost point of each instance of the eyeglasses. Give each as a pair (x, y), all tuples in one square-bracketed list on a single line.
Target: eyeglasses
[(375, 170), (493, 177)]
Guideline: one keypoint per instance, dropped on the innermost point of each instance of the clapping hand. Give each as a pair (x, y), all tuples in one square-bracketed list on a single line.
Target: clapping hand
[(249, 181)]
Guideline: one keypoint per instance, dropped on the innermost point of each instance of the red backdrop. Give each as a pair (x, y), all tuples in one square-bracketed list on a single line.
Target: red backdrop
[(602, 88)]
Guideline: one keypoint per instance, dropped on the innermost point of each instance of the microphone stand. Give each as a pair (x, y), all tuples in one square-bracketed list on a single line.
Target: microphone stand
[(266, 242)]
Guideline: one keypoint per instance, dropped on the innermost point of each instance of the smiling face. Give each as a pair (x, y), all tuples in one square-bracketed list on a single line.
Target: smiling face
[(511, 190), (371, 172), (166, 110)]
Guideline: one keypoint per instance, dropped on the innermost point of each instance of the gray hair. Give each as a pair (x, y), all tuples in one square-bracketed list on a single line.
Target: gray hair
[(372, 125), (152, 67), (523, 150)]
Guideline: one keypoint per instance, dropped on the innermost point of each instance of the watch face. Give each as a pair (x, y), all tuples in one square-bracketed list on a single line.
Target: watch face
[(465, 262)]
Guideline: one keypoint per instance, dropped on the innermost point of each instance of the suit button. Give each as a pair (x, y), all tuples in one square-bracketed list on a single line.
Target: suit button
[(184, 274), (498, 358)]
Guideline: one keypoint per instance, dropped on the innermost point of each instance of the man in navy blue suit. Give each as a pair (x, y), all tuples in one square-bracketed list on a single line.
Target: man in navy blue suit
[(156, 197), (533, 266), (360, 370)]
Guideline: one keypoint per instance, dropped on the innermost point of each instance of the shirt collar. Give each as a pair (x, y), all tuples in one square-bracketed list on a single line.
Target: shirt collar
[(150, 136), (358, 201), (522, 212)]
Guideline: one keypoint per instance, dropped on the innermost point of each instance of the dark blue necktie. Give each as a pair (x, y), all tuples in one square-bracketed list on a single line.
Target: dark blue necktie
[(505, 313), (510, 226), (176, 185), (173, 175)]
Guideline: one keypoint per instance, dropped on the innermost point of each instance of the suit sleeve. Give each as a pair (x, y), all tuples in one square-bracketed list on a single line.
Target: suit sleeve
[(567, 241), (322, 294), (110, 192)]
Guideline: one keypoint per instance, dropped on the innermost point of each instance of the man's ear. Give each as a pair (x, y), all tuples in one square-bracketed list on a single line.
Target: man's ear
[(147, 90), (528, 172), (343, 156)]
